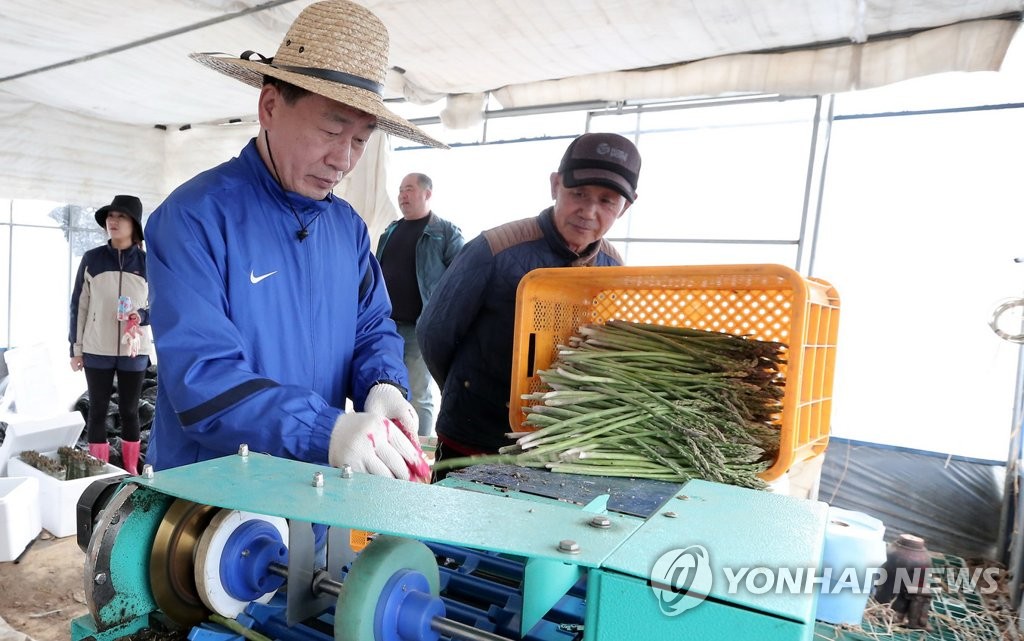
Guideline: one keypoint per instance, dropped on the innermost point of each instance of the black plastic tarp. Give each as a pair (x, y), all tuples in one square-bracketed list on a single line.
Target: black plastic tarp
[(953, 503)]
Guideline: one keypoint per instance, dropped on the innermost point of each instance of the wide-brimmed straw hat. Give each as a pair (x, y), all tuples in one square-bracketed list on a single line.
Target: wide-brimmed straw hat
[(336, 49)]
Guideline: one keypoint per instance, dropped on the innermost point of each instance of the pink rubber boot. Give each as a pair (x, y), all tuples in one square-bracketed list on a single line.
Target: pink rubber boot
[(130, 454), (100, 451)]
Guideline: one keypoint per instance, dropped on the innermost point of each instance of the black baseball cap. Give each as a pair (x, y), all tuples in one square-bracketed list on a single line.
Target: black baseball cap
[(602, 159)]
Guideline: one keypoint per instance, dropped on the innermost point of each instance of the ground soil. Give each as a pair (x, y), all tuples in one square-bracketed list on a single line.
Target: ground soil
[(43, 590)]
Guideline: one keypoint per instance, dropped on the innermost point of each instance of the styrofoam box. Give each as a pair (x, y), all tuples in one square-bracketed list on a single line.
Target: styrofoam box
[(58, 500), (19, 515)]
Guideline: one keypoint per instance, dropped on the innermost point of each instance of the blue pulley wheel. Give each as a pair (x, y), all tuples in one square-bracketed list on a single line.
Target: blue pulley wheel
[(233, 559), (390, 593)]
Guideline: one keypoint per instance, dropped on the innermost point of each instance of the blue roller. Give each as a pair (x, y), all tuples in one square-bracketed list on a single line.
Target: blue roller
[(406, 608), (245, 563)]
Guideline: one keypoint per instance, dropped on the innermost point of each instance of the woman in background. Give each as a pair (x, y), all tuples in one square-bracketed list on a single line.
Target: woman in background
[(109, 304)]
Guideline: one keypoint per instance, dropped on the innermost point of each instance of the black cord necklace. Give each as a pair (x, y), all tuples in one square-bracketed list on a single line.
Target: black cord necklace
[(303, 232)]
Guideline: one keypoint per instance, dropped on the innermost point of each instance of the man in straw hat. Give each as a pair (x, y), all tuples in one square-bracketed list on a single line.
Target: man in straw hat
[(268, 308)]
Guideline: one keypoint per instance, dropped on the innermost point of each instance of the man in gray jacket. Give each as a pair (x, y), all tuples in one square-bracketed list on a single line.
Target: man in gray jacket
[(413, 253)]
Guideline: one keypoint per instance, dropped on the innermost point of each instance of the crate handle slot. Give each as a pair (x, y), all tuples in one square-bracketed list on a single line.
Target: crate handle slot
[(531, 353)]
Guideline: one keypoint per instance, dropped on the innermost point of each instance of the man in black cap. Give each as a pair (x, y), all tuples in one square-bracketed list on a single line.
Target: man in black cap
[(466, 329)]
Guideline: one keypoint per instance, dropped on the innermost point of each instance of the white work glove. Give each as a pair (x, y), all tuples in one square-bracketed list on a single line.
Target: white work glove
[(371, 443), (387, 400)]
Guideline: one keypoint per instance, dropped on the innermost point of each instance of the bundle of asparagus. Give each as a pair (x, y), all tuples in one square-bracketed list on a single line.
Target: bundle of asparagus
[(79, 463), (44, 464), (650, 401), (70, 464)]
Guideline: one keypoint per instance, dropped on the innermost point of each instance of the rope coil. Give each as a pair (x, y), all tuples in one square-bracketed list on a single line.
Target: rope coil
[(1001, 309)]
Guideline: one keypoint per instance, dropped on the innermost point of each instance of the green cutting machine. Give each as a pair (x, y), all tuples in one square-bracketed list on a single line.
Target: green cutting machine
[(256, 547)]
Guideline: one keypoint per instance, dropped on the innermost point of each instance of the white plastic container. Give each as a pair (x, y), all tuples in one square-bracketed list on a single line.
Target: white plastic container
[(58, 500), (854, 552), (19, 515)]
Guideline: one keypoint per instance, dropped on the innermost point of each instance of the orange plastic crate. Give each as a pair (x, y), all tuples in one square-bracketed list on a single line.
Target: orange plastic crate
[(766, 302)]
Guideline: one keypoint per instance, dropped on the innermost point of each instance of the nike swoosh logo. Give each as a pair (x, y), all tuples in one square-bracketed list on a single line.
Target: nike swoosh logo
[(253, 278)]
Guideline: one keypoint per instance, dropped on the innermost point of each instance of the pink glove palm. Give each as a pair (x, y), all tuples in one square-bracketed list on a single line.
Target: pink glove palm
[(132, 335), (373, 444)]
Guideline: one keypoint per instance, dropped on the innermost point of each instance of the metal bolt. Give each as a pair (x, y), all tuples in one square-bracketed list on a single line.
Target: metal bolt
[(683, 497), (100, 578), (243, 450), (671, 515), (318, 479), (346, 471), (568, 546), (601, 522), (147, 471)]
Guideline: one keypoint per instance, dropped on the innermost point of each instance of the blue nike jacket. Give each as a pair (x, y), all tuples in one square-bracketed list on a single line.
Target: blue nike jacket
[(260, 338)]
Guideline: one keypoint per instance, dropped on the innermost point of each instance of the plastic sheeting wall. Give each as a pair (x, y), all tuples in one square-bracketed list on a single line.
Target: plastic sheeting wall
[(83, 84), (964, 47), (954, 504), (49, 154)]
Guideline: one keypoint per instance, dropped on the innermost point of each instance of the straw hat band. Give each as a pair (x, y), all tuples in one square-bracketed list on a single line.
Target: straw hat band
[(331, 75)]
